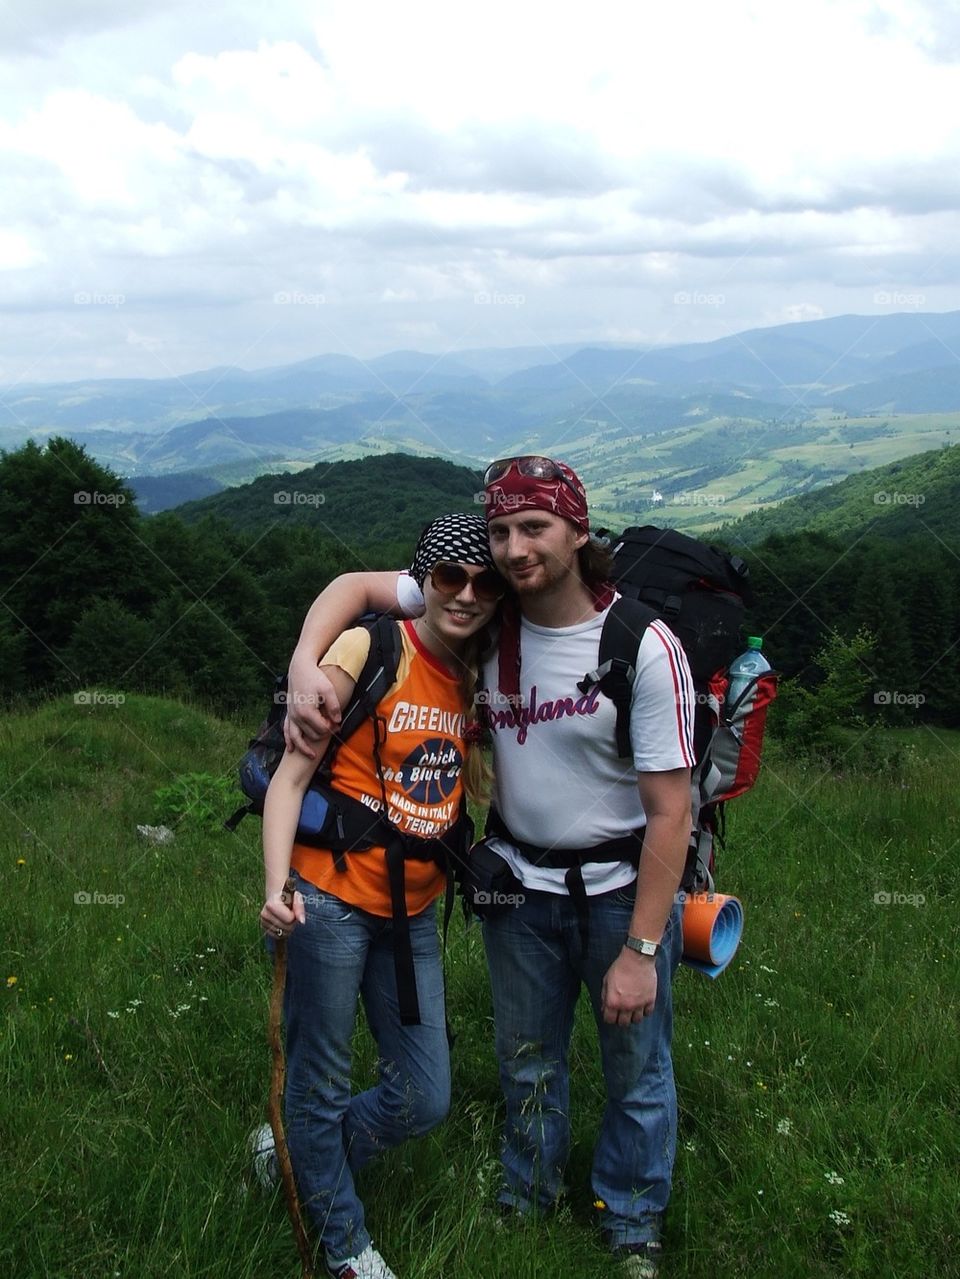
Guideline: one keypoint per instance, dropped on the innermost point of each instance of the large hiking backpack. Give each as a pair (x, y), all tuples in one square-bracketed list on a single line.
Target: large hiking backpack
[(702, 594), (266, 749)]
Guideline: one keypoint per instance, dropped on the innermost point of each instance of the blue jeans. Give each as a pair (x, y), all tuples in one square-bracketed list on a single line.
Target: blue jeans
[(339, 953), (536, 969)]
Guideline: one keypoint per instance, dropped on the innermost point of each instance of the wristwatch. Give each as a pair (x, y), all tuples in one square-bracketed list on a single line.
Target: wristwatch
[(642, 946)]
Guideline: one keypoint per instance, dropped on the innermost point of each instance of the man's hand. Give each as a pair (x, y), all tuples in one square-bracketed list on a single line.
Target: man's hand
[(313, 708), (629, 989)]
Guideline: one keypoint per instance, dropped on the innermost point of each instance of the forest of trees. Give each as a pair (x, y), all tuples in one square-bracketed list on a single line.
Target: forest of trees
[(96, 594)]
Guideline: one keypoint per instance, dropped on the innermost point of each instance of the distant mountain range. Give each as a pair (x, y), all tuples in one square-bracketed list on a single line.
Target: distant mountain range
[(735, 423)]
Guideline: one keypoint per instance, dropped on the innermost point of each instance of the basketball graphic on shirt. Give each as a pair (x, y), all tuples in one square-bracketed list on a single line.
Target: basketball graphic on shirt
[(429, 773)]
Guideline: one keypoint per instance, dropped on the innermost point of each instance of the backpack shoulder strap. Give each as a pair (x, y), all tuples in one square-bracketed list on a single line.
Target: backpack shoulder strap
[(376, 677), (623, 629)]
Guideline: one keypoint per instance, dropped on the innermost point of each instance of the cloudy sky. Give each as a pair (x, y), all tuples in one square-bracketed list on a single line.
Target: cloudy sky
[(188, 185)]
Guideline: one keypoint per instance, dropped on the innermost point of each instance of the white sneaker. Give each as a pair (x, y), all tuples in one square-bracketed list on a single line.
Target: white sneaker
[(640, 1261), (368, 1265), (263, 1151)]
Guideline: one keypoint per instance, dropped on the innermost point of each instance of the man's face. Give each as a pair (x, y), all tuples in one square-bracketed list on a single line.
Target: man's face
[(534, 550)]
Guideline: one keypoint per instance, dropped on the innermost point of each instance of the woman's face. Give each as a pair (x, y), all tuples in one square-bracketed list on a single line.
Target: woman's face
[(453, 613)]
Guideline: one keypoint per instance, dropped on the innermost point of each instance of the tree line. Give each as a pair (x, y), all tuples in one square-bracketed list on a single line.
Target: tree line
[(96, 594)]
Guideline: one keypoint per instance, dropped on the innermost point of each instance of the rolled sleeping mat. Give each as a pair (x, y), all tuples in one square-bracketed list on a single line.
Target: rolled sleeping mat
[(712, 927)]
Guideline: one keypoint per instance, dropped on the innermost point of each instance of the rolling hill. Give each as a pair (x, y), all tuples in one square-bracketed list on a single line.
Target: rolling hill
[(360, 503), (918, 494)]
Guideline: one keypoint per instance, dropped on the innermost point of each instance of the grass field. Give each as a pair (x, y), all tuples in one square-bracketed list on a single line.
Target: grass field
[(818, 1076)]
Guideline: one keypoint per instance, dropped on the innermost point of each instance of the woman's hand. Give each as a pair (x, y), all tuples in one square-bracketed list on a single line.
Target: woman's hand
[(278, 919)]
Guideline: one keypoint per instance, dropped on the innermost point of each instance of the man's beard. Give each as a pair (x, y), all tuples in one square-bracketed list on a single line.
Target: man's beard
[(551, 574)]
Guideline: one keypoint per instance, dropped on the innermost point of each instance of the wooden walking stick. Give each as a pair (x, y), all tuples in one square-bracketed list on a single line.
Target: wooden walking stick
[(275, 1102)]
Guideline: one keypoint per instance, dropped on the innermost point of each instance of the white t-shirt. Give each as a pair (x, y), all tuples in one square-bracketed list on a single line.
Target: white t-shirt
[(559, 781)]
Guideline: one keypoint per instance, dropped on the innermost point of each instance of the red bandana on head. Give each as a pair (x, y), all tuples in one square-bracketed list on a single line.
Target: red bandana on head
[(516, 492)]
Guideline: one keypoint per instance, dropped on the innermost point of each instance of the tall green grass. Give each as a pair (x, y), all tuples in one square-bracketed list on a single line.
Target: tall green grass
[(817, 1077)]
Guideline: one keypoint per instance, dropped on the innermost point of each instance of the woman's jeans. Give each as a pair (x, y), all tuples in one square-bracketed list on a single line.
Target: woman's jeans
[(339, 953), (536, 969)]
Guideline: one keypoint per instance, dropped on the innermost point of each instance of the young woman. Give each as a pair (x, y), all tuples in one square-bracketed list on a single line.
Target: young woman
[(361, 922)]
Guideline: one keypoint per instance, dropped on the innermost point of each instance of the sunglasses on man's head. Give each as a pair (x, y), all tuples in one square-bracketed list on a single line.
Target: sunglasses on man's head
[(532, 466), (450, 579)]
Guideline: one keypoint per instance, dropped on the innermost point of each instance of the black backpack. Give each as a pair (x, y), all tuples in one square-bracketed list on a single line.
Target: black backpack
[(266, 749), (702, 594)]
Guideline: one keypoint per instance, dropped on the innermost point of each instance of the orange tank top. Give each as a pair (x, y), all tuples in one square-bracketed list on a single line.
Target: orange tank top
[(422, 760)]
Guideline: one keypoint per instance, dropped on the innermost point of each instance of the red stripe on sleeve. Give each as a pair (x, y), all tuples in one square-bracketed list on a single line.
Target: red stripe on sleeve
[(684, 727)]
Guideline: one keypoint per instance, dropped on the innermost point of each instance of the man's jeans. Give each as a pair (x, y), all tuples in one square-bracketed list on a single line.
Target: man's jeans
[(536, 968), (340, 952)]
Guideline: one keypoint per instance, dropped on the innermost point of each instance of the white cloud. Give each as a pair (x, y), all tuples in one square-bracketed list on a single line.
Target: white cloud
[(398, 160), (16, 251)]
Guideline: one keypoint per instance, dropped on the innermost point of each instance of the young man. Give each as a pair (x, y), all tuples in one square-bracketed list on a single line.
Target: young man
[(562, 794)]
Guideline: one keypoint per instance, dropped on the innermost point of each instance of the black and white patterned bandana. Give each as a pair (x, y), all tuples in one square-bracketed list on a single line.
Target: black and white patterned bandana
[(456, 538)]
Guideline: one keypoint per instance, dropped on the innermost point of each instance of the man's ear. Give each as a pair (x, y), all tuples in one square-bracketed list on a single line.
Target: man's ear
[(581, 539)]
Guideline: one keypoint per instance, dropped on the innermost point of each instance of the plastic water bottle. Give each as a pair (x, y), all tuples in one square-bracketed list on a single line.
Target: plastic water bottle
[(744, 668)]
